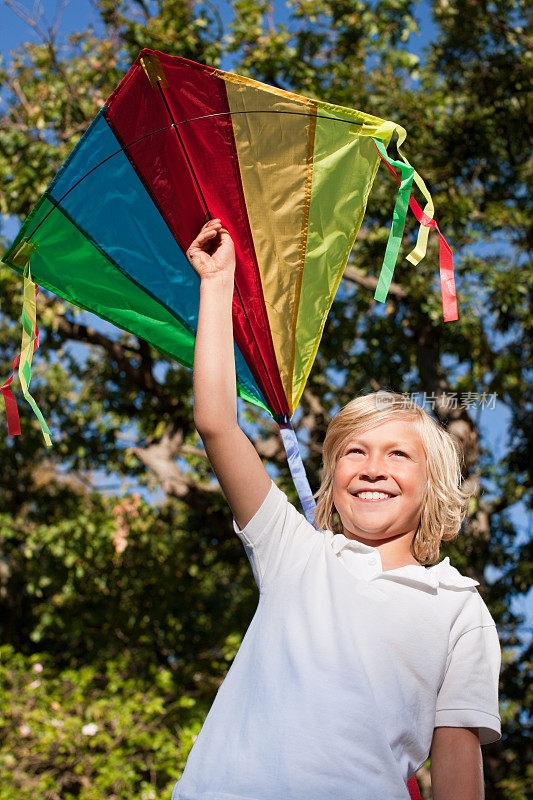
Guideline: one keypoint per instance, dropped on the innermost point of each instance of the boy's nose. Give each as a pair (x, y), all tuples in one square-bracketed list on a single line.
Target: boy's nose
[(373, 468), (372, 475)]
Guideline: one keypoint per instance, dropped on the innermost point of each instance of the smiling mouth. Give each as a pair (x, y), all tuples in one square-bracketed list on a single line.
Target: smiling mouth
[(373, 500)]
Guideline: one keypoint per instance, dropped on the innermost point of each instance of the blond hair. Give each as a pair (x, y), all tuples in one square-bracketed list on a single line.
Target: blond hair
[(445, 503)]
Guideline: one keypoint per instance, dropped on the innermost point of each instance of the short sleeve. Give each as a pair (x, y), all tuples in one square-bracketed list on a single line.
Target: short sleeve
[(468, 697), (277, 539)]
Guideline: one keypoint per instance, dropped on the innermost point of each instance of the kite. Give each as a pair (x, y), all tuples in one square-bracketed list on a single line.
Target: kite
[(176, 144)]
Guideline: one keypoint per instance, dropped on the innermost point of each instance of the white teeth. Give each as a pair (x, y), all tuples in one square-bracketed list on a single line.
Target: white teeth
[(372, 495)]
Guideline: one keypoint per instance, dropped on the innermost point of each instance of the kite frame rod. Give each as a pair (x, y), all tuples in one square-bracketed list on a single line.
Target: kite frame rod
[(86, 175), (272, 111), (175, 125)]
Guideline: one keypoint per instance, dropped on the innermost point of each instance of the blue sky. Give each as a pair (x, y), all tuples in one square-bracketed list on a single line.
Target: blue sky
[(76, 15)]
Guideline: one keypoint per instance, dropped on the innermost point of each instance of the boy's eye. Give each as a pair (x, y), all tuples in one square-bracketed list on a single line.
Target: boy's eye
[(358, 450)]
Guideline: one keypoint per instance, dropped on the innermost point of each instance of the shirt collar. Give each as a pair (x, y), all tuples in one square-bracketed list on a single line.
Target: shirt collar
[(441, 574)]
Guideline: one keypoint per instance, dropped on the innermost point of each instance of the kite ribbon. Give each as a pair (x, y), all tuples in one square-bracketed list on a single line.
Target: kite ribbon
[(297, 468), (398, 223), (30, 343), (419, 251), (12, 414), (447, 280)]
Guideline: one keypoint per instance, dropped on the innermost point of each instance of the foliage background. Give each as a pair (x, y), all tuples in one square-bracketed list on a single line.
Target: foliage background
[(124, 594)]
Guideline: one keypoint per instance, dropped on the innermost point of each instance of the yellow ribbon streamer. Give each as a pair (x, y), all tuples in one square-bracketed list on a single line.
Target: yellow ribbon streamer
[(419, 251), (29, 334)]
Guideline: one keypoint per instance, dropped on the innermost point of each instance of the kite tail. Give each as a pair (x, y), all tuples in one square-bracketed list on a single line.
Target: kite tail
[(419, 251), (297, 468), (425, 218), (398, 222), (30, 343)]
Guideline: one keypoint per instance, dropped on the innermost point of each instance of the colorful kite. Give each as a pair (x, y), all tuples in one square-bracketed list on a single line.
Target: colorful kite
[(179, 143)]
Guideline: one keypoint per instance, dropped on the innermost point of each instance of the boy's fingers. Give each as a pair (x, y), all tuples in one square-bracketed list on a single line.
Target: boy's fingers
[(202, 238), (212, 222), (198, 244), (208, 230)]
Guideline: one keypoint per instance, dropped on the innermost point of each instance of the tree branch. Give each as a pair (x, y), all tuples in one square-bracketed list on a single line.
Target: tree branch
[(369, 282), (161, 459), (142, 376)]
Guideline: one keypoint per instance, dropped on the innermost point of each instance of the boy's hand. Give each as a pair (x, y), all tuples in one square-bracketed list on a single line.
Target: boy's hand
[(212, 252)]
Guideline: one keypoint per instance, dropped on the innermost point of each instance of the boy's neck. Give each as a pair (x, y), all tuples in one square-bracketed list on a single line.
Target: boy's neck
[(394, 553)]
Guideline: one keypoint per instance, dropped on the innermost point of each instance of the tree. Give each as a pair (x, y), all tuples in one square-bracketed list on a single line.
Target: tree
[(122, 408)]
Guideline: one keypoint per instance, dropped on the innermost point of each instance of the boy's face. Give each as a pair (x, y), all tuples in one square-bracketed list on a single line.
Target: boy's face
[(388, 458)]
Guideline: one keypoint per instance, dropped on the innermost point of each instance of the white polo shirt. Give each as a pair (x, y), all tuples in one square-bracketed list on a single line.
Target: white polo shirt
[(344, 671)]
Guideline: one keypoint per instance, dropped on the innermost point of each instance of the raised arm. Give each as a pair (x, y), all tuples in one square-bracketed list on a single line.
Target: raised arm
[(234, 459)]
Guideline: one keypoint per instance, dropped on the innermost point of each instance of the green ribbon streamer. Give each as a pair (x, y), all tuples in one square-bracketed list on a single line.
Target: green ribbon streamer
[(407, 173)]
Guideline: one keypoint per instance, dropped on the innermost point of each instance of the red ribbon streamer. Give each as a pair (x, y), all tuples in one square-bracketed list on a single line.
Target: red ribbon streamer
[(414, 791), (447, 279), (12, 414)]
